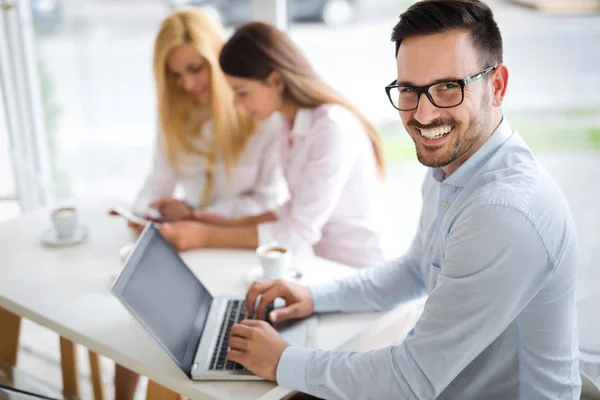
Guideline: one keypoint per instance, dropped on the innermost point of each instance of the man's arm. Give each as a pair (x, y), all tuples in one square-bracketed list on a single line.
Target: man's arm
[(495, 263), (375, 288)]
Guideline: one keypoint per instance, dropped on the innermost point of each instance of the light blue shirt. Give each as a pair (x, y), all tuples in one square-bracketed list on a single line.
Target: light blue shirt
[(497, 253)]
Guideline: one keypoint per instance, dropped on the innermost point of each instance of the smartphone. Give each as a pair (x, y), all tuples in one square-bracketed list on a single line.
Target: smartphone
[(129, 215)]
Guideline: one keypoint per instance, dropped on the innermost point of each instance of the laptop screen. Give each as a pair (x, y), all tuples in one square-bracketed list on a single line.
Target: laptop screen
[(165, 296)]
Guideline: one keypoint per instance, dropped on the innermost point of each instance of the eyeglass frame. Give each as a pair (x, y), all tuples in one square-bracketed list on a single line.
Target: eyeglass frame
[(420, 90)]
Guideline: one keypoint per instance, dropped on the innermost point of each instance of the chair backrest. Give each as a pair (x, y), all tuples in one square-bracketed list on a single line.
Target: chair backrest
[(589, 390), (588, 302)]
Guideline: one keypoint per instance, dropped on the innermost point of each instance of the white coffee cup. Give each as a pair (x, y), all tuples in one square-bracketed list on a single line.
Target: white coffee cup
[(275, 260), (65, 221), (125, 251)]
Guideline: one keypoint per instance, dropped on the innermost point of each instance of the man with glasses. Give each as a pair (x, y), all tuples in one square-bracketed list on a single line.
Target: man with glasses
[(496, 250)]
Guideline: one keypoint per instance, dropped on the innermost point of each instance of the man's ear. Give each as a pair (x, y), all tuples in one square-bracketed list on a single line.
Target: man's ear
[(499, 82)]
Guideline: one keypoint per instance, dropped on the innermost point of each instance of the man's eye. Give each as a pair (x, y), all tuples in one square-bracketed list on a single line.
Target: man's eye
[(448, 86), (404, 90)]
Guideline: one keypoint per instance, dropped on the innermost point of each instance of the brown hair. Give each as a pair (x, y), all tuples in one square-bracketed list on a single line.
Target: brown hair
[(181, 119), (435, 16), (256, 49)]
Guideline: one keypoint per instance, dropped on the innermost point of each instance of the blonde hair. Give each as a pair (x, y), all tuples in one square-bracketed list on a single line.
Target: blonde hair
[(256, 49), (181, 119)]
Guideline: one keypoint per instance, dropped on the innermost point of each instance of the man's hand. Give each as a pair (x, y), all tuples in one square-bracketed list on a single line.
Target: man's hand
[(257, 346), (185, 235), (171, 209), (298, 300)]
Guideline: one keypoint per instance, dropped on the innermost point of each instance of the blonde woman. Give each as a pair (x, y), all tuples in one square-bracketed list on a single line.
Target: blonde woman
[(223, 160), (331, 156)]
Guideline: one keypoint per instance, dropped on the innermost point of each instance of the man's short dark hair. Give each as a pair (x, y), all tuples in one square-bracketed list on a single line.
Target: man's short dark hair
[(435, 16)]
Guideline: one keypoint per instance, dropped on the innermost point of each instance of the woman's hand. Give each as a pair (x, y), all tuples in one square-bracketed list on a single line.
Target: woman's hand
[(185, 235), (137, 228), (171, 209)]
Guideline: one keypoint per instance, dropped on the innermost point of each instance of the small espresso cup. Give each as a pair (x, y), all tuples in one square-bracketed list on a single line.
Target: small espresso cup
[(274, 260), (65, 221)]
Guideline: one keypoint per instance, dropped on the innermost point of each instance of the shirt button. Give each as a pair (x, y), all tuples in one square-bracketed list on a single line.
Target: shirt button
[(445, 206)]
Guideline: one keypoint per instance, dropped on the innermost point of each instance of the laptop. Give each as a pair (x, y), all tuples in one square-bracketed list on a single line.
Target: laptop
[(183, 318)]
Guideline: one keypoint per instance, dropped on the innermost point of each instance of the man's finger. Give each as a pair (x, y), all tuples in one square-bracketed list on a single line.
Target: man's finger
[(236, 356), (285, 313), (240, 330), (237, 343), (268, 297), (252, 323), (257, 288)]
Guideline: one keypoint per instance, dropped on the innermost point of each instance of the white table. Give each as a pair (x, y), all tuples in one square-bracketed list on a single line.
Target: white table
[(68, 291)]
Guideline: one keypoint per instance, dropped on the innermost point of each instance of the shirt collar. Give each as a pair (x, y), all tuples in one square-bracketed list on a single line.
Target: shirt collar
[(470, 167), (302, 122)]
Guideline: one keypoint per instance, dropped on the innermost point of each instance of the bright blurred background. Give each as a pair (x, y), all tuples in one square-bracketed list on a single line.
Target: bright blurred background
[(89, 67), (94, 68)]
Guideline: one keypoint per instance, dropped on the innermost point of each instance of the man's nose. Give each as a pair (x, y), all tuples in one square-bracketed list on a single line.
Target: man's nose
[(426, 111)]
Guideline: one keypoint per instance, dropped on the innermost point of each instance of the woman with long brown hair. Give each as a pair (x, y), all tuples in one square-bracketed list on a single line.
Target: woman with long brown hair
[(331, 155)]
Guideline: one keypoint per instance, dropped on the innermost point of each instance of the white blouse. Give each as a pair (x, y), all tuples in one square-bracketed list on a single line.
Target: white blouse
[(336, 193), (255, 183)]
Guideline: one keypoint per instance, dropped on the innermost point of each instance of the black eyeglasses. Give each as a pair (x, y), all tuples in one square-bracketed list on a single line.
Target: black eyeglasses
[(446, 94)]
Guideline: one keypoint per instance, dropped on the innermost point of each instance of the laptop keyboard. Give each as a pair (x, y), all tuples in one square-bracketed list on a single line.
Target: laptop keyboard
[(236, 312)]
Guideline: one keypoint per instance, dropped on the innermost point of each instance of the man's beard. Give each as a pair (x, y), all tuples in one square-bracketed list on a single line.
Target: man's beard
[(462, 142)]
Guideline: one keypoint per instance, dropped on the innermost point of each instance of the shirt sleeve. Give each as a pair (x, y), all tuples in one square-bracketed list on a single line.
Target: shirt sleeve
[(332, 154), (161, 180), (375, 288), (270, 189), (493, 251)]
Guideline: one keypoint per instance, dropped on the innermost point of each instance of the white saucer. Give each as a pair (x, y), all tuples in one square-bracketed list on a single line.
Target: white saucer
[(257, 273), (51, 238)]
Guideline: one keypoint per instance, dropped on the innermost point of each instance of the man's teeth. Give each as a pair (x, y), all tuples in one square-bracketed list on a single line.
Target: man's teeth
[(435, 133)]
